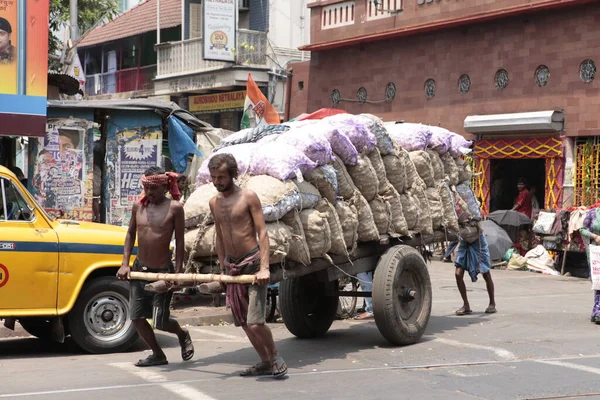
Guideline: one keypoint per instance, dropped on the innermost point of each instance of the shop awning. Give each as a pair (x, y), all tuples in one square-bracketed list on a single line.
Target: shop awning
[(538, 121)]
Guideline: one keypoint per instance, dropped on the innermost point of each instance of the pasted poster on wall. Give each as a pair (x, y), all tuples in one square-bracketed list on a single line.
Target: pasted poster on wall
[(63, 174), (133, 151)]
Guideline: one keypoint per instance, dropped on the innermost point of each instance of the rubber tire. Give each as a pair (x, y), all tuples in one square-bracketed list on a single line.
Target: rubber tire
[(386, 303), (306, 309), (77, 328), (37, 326)]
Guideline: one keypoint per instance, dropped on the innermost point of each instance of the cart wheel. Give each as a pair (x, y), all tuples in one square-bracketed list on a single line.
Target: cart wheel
[(347, 305), (401, 295), (306, 308)]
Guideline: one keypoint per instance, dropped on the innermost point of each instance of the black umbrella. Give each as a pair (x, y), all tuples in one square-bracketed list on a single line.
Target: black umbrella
[(509, 218), (497, 238)]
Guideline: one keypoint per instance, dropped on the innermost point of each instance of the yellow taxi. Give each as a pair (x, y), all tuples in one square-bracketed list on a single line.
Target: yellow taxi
[(57, 277)]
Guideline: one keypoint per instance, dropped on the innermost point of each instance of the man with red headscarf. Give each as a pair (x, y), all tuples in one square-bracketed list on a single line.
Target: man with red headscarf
[(154, 219)]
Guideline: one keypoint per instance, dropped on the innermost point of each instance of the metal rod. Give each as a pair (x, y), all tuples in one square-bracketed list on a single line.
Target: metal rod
[(157, 21), (22, 49), (353, 294)]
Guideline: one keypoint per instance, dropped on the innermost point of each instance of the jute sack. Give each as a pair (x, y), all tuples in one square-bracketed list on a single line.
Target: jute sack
[(349, 219), (346, 187), (395, 171), (436, 208), (324, 178), (276, 197), (424, 166), (410, 170), (410, 210), (450, 169), (425, 226), (379, 167), (309, 194), (316, 232), (367, 230), (450, 218), (279, 241), (338, 244), (299, 251), (197, 209), (201, 242), (381, 214), (364, 177), (436, 163), (464, 171), (398, 224)]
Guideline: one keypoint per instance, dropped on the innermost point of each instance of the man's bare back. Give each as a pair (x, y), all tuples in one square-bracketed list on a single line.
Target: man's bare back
[(233, 218), (155, 225)]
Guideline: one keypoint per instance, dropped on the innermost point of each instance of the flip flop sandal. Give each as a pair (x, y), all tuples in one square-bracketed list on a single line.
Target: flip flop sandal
[(261, 368), (490, 310), (364, 316), (151, 361), (462, 311), (187, 348), (278, 367)]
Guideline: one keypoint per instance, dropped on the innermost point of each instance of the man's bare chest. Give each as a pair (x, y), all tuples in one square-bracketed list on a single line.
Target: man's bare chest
[(232, 213)]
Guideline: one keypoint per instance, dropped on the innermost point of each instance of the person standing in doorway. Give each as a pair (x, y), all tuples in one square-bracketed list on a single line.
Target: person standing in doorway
[(523, 203), (154, 219), (239, 221)]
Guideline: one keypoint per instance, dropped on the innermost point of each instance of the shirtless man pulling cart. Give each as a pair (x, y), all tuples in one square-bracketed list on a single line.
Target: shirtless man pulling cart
[(238, 221), (153, 220)]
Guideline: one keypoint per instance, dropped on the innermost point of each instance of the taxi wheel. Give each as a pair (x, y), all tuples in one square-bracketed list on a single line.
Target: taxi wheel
[(99, 321)]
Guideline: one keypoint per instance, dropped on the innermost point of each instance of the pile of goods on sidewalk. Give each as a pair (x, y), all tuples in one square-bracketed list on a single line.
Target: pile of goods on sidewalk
[(327, 185)]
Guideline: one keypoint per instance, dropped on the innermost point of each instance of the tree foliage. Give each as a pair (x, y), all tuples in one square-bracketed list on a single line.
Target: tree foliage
[(90, 13)]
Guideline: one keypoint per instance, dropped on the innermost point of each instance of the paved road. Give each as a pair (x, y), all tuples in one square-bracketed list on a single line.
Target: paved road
[(540, 345)]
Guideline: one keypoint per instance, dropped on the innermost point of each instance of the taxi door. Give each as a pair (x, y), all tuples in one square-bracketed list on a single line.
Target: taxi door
[(28, 255)]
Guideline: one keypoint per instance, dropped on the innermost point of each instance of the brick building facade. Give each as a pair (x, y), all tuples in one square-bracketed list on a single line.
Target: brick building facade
[(452, 59)]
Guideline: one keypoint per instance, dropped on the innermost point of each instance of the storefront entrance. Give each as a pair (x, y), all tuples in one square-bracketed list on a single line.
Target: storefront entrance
[(504, 176), (540, 160)]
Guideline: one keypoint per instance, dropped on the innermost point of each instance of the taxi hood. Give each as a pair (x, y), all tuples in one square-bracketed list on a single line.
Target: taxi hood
[(91, 233)]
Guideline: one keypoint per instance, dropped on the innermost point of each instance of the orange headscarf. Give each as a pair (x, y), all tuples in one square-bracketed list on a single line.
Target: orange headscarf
[(168, 179)]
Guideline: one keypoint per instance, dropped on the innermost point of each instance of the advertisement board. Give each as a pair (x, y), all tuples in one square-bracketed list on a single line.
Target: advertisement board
[(220, 25), (133, 151), (63, 169), (23, 66), (218, 101)]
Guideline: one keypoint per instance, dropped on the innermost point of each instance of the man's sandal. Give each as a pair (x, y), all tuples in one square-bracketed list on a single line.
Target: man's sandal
[(262, 368), (152, 361), (187, 347), (463, 311), (278, 367)]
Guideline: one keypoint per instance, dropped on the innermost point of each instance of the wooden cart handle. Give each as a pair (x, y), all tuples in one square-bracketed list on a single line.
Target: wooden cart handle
[(192, 278)]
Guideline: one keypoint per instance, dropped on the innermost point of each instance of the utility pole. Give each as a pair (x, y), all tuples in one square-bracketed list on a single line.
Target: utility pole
[(73, 20)]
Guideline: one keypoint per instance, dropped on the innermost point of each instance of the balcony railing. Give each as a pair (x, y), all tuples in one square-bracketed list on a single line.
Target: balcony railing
[(184, 57), (125, 80)]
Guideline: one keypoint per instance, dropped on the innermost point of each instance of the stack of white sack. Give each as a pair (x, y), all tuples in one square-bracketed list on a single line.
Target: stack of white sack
[(327, 185)]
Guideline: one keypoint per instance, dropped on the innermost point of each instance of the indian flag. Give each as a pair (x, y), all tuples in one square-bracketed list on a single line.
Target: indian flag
[(257, 109)]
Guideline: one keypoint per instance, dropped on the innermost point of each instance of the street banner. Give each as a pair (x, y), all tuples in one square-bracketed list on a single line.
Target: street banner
[(220, 29), (136, 150), (23, 66), (63, 169)]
